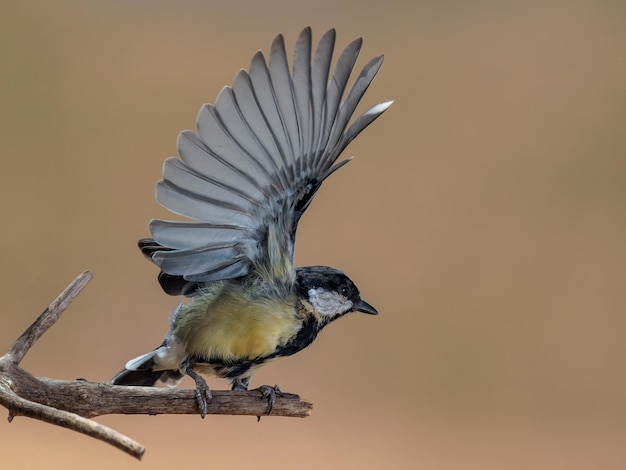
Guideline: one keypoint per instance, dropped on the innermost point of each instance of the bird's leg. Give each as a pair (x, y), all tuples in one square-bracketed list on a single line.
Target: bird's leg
[(203, 392), (241, 384)]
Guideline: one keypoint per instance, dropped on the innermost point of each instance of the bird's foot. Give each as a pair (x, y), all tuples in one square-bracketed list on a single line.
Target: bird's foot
[(203, 392), (269, 393)]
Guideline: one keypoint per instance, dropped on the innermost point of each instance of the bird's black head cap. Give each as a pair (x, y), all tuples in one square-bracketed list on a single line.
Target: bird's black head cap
[(312, 278)]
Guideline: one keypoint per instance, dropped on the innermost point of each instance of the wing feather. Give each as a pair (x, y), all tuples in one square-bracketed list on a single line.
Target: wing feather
[(302, 90), (346, 110), (235, 125), (264, 95), (187, 262), (252, 115), (202, 208), (283, 93), (361, 123), (319, 79), (178, 174), (188, 235), (335, 89), (259, 156)]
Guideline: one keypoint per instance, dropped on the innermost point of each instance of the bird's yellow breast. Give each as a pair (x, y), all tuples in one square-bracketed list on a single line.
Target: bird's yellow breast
[(229, 326)]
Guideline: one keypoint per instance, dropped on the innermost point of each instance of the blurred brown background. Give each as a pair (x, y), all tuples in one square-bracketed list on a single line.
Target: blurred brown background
[(483, 216)]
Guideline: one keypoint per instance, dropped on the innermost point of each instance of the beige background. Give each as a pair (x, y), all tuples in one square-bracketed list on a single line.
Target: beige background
[(483, 216)]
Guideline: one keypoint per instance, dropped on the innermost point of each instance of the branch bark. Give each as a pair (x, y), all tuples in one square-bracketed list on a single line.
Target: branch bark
[(70, 404)]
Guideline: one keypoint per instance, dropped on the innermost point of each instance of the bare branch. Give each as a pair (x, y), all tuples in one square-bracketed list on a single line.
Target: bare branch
[(70, 403), (48, 318), (90, 399)]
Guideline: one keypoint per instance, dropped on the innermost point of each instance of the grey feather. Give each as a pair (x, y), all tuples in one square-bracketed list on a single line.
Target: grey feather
[(186, 235), (226, 160), (253, 117), (204, 209), (264, 95), (196, 261), (203, 160), (258, 158), (259, 161), (284, 96), (319, 79), (178, 174), (361, 123), (302, 89), (355, 94), (335, 89), (228, 269)]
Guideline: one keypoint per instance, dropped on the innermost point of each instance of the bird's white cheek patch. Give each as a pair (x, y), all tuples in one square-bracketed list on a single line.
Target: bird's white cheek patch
[(328, 303)]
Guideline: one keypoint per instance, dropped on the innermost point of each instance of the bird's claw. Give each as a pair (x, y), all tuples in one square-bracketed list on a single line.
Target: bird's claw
[(269, 393), (203, 392), (203, 397)]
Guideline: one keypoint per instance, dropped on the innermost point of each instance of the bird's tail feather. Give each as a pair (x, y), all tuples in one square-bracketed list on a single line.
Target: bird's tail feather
[(142, 378), (141, 372)]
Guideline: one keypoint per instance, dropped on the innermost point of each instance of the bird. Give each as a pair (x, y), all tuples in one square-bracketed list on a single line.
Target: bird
[(242, 182)]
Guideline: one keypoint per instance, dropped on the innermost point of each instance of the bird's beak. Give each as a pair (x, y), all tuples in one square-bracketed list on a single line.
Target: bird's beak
[(364, 307)]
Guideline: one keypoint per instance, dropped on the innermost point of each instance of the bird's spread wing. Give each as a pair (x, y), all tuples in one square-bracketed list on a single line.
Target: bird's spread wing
[(259, 155)]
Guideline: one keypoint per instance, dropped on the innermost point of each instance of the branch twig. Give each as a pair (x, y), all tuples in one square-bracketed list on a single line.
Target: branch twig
[(50, 315), (70, 403)]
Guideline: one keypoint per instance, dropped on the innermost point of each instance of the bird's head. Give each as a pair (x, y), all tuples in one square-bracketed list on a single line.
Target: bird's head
[(330, 292)]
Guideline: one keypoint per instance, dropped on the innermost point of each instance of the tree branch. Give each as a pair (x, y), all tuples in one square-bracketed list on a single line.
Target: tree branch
[(50, 315), (70, 403)]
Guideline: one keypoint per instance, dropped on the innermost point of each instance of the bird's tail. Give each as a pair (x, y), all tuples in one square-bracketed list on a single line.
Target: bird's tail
[(145, 378), (141, 372)]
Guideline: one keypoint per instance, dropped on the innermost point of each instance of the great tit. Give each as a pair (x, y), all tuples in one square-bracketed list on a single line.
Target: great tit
[(245, 178)]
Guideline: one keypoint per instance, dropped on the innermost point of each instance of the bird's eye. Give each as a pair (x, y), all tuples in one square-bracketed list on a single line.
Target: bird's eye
[(345, 291)]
